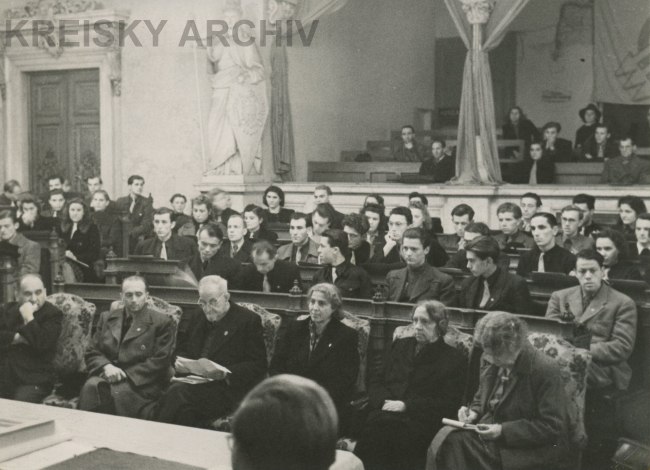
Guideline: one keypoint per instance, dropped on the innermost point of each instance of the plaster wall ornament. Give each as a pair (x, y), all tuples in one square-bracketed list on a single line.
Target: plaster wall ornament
[(478, 11)]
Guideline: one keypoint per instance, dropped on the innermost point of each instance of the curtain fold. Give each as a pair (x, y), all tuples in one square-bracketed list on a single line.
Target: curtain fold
[(282, 141), (477, 156)]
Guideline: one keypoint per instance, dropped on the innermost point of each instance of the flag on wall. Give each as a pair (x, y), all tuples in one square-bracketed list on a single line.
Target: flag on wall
[(622, 51)]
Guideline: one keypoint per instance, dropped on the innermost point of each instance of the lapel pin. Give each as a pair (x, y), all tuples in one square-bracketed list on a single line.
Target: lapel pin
[(329, 345), (225, 333), (138, 329)]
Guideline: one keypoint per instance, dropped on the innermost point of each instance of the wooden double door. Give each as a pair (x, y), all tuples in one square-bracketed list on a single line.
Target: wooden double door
[(64, 127)]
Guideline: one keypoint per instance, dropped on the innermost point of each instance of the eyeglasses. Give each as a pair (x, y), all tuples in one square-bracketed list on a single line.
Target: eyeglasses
[(210, 303)]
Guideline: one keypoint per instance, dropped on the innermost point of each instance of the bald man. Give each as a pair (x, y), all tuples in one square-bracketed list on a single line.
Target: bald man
[(29, 331), (129, 359), (228, 335)]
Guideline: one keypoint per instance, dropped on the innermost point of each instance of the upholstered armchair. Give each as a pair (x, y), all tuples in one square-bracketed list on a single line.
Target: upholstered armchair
[(74, 339), (362, 327), (454, 337)]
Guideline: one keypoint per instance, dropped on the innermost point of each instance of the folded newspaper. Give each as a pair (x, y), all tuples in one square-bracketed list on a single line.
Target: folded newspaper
[(199, 370)]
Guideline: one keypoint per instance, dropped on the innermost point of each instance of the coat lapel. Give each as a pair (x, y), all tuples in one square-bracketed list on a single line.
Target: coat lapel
[(471, 291), (497, 291), (226, 328), (399, 285), (141, 323), (324, 344), (596, 305), (574, 299), (114, 321), (422, 283)]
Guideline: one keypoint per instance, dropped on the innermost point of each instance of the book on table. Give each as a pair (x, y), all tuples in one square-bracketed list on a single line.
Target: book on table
[(23, 436)]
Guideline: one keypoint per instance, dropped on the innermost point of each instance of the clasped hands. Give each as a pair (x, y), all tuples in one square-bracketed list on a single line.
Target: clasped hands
[(489, 432)]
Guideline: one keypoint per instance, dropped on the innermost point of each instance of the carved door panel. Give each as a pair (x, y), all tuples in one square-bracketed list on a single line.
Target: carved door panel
[(65, 137)]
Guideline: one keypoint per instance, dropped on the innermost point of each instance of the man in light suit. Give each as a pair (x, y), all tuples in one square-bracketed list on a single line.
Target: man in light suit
[(418, 280), (610, 316), (302, 248), (29, 252), (130, 357)]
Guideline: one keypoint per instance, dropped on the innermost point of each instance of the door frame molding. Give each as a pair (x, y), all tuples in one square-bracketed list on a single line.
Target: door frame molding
[(18, 61)]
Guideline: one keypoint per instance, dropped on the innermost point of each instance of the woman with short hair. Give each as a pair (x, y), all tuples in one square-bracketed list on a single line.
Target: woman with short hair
[(519, 410), (611, 245), (320, 347), (422, 383), (256, 225), (82, 240), (629, 209), (275, 211)]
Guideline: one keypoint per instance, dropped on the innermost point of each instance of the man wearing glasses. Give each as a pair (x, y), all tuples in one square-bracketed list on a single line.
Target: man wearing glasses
[(228, 335), (130, 357)]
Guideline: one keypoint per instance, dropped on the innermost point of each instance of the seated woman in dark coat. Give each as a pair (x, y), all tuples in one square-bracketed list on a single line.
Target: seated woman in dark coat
[(275, 212), (256, 226), (538, 169), (629, 208), (322, 348), (611, 245), (422, 383), (108, 223), (374, 214), (82, 239), (517, 126)]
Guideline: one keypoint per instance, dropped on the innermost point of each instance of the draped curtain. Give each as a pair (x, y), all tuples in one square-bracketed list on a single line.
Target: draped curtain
[(477, 160), (281, 119)]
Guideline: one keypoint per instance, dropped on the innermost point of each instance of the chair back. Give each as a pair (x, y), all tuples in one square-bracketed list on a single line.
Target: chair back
[(362, 327), (270, 327), (454, 337), (76, 332), (574, 363)]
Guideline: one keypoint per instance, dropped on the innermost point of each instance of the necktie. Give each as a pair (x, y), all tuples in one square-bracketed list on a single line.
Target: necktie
[(532, 178), (353, 260), (74, 230), (568, 244), (205, 264), (266, 285), (298, 255), (334, 276), (163, 251), (234, 250), (500, 387), (540, 264), (486, 294), (132, 206)]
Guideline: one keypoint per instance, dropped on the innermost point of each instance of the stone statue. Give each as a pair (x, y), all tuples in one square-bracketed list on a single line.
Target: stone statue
[(239, 103), (281, 10), (477, 11)]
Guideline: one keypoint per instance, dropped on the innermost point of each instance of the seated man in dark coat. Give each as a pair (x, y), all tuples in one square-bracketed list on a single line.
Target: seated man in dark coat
[(441, 166), (207, 261), (511, 237), (546, 256), (108, 222), (520, 407), (302, 248), (29, 252), (492, 287), (31, 218), (600, 146), (626, 169), (130, 357), (587, 204), (29, 331), (139, 210), (228, 335), (166, 244), (554, 147), (322, 348), (268, 273), (356, 226), (237, 246), (352, 281), (422, 382), (418, 280)]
